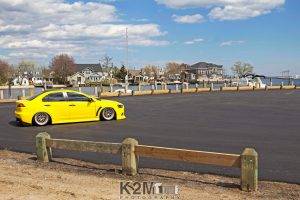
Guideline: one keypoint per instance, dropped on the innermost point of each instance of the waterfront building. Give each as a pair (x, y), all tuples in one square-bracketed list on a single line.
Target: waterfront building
[(202, 71), (87, 73)]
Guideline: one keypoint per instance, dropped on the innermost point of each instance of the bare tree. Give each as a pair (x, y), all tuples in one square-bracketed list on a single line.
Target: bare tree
[(5, 72), (174, 68), (63, 66), (25, 67), (106, 61), (151, 71), (240, 68)]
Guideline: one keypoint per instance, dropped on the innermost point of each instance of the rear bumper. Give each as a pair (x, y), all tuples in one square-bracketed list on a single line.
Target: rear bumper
[(23, 117)]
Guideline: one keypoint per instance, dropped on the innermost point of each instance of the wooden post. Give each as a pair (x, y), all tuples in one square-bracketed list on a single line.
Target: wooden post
[(249, 170), (139, 87), (23, 92), (152, 87), (43, 153), (31, 91), (129, 159), (101, 87), (155, 85), (99, 92), (96, 91), (1, 94)]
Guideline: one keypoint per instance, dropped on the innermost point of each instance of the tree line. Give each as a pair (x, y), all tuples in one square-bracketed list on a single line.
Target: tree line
[(63, 65)]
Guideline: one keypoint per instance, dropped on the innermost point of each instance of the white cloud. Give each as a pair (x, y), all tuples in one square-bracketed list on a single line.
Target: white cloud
[(196, 40), (35, 28), (188, 19), (228, 9), (232, 42)]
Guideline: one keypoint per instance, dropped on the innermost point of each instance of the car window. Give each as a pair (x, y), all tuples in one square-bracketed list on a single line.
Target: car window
[(54, 97), (72, 96), (35, 96)]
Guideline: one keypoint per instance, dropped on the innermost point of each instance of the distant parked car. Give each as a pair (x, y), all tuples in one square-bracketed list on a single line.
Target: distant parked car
[(65, 106)]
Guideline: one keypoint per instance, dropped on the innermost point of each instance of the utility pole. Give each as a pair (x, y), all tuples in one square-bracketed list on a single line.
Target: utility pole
[(126, 79)]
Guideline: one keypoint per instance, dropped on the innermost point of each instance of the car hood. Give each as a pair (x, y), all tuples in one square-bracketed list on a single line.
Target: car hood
[(108, 101)]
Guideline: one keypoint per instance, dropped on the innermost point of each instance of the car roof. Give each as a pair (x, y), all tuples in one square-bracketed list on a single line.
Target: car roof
[(60, 90)]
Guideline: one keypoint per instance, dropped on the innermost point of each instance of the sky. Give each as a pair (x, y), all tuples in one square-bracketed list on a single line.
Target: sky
[(264, 33)]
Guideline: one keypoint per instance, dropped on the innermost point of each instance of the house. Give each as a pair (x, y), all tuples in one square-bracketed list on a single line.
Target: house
[(203, 70), (23, 81), (86, 74), (77, 79)]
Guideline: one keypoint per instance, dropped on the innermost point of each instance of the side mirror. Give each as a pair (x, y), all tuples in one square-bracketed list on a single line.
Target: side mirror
[(91, 100)]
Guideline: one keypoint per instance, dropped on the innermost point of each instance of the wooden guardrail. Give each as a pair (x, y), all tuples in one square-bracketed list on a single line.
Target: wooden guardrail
[(164, 91), (130, 151)]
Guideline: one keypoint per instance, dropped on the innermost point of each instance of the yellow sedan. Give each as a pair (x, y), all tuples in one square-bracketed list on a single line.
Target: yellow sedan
[(65, 106)]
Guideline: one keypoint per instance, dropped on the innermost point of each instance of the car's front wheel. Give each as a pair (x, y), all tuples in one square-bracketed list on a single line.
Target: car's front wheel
[(41, 119), (108, 114)]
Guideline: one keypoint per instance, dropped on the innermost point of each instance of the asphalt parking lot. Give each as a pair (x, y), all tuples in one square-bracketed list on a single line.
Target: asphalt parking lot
[(221, 122)]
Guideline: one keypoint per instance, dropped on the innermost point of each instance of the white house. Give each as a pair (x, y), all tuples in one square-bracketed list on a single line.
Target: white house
[(77, 79), (21, 81), (87, 73)]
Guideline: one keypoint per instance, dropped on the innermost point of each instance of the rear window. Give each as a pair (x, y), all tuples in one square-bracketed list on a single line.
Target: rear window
[(35, 96), (54, 97)]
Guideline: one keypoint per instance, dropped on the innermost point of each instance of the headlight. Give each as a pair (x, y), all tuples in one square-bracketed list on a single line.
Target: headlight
[(120, 105)]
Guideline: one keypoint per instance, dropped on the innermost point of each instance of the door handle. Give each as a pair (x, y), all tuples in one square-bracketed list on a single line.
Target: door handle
[(47, 105), (71, 105)]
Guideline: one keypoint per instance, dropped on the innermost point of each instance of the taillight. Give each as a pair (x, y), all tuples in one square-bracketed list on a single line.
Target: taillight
[(20, 105)]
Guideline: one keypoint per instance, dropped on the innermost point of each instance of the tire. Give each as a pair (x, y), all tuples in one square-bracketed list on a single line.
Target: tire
[(108, 114), (41, 119)]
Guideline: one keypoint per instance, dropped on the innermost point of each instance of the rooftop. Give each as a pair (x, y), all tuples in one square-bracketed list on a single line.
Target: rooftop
[(204, 65)]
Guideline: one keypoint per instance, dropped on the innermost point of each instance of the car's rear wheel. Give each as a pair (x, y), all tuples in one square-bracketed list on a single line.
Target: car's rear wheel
[(108, 114), (41, 119)]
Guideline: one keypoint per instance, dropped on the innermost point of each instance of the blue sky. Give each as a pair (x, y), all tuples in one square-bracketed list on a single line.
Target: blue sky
[(263, 33)]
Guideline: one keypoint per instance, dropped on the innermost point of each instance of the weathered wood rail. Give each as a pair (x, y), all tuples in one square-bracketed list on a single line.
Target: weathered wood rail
[(200, 157), (130, 152)]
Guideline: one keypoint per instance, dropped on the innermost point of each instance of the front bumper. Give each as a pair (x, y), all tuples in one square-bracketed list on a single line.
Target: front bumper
[(121, 114)]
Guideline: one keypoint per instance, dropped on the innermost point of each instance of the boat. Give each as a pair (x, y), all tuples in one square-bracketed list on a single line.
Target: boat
[(251, 80)]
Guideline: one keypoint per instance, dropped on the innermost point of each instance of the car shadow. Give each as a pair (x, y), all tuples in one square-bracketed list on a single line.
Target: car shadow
[(17, 124)]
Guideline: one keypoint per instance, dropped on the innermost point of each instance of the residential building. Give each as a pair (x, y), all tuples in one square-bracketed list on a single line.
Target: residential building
[(203, 70), (87, 73)]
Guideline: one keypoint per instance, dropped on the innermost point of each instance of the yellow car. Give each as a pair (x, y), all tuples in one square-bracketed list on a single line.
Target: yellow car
[(65, 106)]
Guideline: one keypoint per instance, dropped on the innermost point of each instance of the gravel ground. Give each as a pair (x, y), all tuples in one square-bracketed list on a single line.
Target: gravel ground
[(22, 177)]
